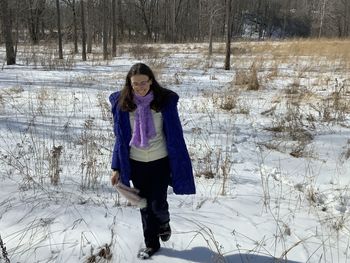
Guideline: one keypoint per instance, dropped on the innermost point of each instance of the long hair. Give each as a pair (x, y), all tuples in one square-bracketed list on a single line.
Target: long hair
[(126, 96)]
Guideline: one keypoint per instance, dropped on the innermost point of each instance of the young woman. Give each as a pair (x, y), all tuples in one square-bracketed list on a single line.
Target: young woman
[(150, 150)]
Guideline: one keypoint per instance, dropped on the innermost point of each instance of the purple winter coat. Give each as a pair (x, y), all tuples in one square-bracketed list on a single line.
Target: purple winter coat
[(182, 179)]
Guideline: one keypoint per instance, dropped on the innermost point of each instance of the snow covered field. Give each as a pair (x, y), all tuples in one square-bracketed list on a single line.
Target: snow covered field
[(269, 140)]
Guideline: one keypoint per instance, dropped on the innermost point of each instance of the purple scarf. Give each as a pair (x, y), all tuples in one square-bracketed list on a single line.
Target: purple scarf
[(144, 129)]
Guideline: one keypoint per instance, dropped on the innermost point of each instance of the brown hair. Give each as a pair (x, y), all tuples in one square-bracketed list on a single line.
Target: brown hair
[(126, 95)]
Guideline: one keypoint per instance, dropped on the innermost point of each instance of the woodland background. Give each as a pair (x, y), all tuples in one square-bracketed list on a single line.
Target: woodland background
[(109, 22)]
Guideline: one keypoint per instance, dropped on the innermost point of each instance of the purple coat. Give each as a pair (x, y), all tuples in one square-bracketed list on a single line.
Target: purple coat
[(182, 179)]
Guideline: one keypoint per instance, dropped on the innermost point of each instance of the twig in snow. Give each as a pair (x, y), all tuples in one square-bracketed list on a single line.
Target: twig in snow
[(4, 252)]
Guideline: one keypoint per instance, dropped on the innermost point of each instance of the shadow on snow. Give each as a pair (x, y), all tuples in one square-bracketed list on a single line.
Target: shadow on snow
[(205, 255)]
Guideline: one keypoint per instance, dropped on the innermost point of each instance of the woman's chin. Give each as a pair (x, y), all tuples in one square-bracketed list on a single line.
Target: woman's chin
[(142, 94)]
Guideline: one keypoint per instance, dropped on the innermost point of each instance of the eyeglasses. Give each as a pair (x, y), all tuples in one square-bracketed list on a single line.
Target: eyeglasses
[(140, 84)]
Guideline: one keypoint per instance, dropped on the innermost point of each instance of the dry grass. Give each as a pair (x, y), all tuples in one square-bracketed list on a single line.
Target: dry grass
[(290, 126), (330, 48), (102, 255), (104, 106), (192, 63), (248, 78), (237, 48), (273, 71), (2, 103), (346, 153), (143, 51), (227, 102), (157, 66), (54, 164), (319, 51)]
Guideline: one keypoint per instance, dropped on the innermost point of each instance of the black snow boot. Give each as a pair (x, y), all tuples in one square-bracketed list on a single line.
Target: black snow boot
[(165, 232), (147, 252)]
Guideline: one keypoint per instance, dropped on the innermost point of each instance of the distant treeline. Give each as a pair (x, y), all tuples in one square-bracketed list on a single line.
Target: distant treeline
[(177, 20), (109, 22)]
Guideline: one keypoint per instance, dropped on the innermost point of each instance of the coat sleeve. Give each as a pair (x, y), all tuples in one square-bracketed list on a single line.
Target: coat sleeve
[(113, 98)]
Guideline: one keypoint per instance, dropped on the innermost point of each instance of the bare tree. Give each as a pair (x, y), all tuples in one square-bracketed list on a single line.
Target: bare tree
[(71, 4), (286, 11), (7, 32), (343, 9), (83, 31), (114, 29), (199, 20), (17, 24), (322, 11), (157, 32), (177, 20), (60, 52), (166, 20), (145, 9), (214, 10), (260, 11), (173, 20), (105, 30), (120, 19), (89, 7), (75, 35), (35, 10), (211, 24), (228, 35), (346, 17)]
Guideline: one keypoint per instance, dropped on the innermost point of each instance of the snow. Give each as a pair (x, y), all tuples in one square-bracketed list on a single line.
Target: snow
[(255, 202)]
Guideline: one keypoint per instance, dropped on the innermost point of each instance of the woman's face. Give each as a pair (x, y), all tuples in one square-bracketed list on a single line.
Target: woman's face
[(140, 84)]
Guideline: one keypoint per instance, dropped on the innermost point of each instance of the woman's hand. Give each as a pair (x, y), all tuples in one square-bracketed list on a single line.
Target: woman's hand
[(115, 177)]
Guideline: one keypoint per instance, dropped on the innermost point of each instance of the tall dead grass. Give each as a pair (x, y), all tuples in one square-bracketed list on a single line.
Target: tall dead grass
[(330, 48), (333, 50)]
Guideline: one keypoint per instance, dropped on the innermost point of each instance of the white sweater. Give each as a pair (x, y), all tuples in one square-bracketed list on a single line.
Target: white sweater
[(157, 147)]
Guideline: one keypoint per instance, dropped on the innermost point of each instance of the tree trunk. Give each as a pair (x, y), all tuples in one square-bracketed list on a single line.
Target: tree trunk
[(83, 31), (120, 20), (158, 22), (17, 25), (199, 21), (285, 13), (323, 10), (211, 22), (89, 27), (60, 52), (173, 21), (152, 17), (32, 29), (145, 19), (260, 25), (7, 32), (114, 29), (105, 30), (166, 21), (212, 11), (228, 35), (346, 18), (35, 9), (75, 36)]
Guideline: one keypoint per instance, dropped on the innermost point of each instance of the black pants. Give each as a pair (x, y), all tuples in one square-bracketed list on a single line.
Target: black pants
[(152, 179)]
